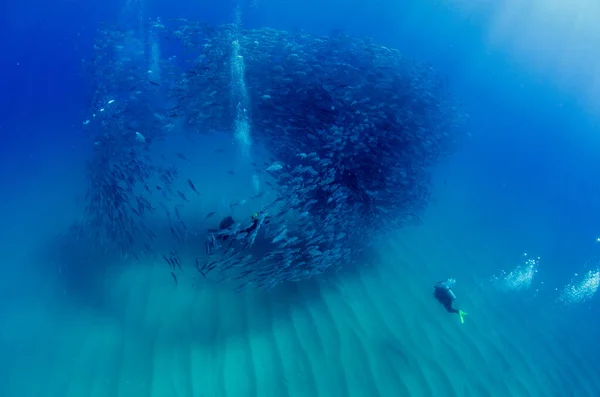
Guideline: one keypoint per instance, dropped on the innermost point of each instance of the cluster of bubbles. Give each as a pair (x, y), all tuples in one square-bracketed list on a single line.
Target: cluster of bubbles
[(521, 277), (581, 288)]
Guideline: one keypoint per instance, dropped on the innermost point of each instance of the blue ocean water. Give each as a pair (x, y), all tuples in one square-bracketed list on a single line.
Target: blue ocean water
[(523, 183)]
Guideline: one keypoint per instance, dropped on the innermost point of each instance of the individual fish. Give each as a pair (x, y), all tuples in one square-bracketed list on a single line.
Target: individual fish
[(182, 223), (174, 233), (178, 264), (164, 194), (177, 214), (209, 266), (199, 268), (181, 156), (148, 248), (182, 195), (275, 167), (174, 277), (192, 186), (242, 287)]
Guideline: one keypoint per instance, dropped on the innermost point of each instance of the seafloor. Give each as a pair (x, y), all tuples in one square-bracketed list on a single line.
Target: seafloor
[(373, 331)]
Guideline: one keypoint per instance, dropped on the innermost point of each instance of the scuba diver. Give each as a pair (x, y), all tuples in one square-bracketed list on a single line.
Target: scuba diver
[(257, 220), (443, 293), (228, 230), (222, 233)]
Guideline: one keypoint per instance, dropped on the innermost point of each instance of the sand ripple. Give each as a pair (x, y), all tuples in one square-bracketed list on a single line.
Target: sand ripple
[(374, 332)]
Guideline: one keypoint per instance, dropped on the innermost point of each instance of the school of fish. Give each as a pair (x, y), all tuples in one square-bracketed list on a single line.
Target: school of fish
[(352, 130)]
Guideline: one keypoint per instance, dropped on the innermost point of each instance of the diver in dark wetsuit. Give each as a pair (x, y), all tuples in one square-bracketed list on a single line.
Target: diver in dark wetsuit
[(225, 224), (225, 231), (443, 293), (256, 221), (218, 234)]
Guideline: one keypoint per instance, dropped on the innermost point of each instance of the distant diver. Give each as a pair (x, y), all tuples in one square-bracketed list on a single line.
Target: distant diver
[(222, 233), (257, 219), (228, 230), (224, 225), (443, 293)]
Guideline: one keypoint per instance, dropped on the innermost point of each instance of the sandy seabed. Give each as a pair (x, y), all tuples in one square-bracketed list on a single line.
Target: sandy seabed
[(373, 331)]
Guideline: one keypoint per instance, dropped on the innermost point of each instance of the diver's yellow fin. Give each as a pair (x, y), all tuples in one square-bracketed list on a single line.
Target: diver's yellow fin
[(462, 315)]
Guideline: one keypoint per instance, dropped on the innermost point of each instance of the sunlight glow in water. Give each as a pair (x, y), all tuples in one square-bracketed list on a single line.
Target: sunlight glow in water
[(558, 39), (581, 289), (519, 278)]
